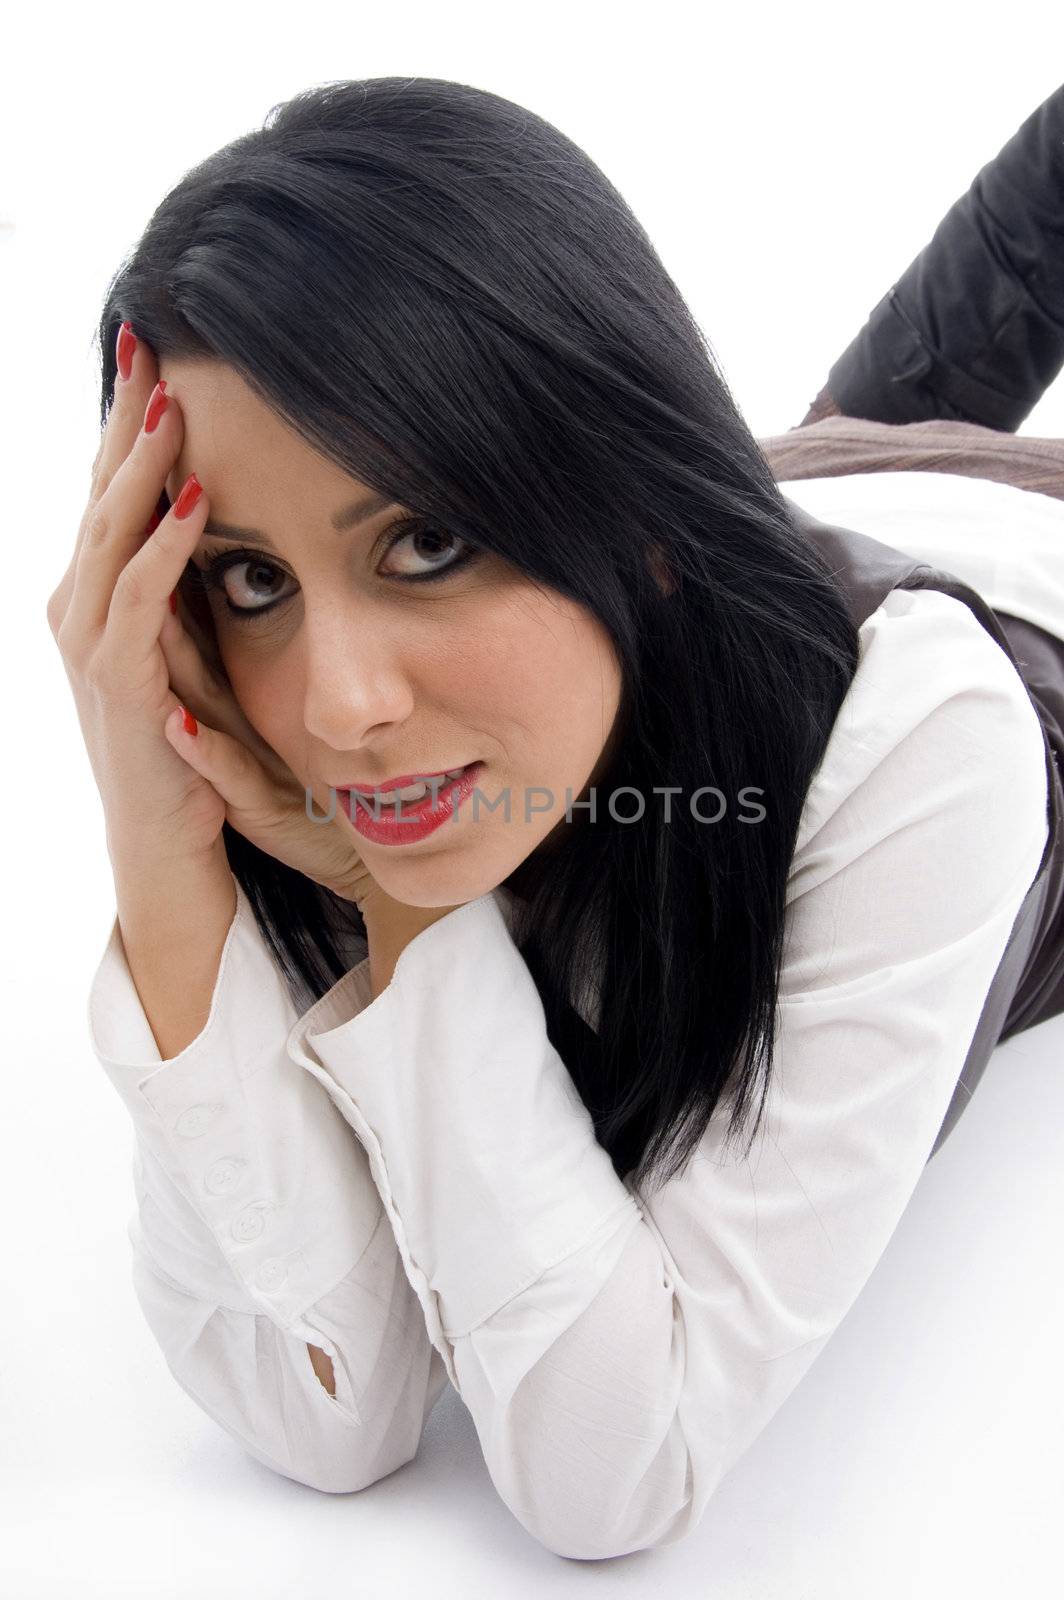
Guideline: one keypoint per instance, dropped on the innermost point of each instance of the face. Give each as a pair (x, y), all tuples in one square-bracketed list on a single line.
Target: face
[(359, 673)]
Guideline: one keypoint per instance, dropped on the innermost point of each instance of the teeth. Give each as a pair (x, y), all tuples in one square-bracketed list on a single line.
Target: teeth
[(413, 791), (416, 791)]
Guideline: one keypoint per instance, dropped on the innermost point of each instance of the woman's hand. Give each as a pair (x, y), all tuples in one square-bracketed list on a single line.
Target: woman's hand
[(264, 800), (166, 793)]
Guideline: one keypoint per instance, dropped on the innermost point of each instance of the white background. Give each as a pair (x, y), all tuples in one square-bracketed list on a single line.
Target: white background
[(788, 161)]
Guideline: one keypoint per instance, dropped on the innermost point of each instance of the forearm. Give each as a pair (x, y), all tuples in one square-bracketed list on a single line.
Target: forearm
[(323, 1368), (174, 923)]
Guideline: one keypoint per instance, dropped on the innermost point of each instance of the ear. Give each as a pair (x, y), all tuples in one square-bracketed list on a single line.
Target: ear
[(659, 567)]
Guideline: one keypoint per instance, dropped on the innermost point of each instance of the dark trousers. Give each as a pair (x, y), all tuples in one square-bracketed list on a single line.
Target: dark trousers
[(948, 365), (958, 352), (973, 329)]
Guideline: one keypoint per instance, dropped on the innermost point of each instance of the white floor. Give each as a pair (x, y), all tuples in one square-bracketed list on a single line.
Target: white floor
[(920, 1457), (788, 162)]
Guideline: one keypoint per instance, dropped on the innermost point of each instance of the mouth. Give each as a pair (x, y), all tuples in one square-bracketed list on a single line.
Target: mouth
[(407, 788), (403, 816)]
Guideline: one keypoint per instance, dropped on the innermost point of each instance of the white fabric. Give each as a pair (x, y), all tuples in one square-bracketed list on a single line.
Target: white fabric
[(1007, 543), (414, 1185)]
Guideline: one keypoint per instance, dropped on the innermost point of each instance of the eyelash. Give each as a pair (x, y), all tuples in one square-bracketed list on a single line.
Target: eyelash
[(211, 575)]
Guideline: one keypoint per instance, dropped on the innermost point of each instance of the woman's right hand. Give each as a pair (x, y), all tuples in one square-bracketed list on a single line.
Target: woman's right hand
[(106, 616), (165, 795)]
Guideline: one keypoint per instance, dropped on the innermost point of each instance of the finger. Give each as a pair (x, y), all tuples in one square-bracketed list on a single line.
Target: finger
[(125, 416), (128, 402), (203, 679), (205, 694), (114, 525), (226, 764), (61, 596), (129, 397), (197, 620), (140, 601), (274, 820)]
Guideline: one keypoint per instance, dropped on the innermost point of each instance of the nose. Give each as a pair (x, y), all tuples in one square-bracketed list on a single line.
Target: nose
[(356, 685)]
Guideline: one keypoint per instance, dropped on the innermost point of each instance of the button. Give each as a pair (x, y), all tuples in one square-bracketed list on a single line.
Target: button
[(225, 1176), (248, 1225), (271, 1275), (196, 1120)]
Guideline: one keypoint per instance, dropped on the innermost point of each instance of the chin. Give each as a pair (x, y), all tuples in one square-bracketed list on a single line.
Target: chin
[(451, 878), (427, 882)]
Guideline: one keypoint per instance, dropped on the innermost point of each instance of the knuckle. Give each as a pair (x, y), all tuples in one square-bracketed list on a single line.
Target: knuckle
[(130, 589), (96, 524), (64, 638), (103, 675)]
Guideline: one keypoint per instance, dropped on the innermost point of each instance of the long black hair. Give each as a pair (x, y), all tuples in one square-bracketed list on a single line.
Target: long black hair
[(445, 296)]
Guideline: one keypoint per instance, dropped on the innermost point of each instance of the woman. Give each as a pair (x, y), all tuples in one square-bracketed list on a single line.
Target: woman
[(452, 490)]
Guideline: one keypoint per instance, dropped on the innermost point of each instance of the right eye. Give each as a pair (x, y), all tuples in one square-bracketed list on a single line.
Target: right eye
[(213, 577)]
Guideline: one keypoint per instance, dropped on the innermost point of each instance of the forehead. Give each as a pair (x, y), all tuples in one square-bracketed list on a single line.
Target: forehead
[(219, 408), (257, 464)]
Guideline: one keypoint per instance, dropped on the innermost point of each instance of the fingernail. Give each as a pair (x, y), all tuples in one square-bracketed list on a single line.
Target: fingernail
[(127, 343), (173, 601), (153, 523), (191, 490), (190, 723), (155, 407)]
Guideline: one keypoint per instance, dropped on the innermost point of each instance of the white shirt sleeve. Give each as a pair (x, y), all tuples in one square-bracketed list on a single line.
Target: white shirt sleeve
[(258, 1230), (618, 1352)]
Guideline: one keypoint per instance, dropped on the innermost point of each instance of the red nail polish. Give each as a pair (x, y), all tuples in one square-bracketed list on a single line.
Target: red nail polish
[(156, 406), (127, 343), (153, 523), (173, 601), (191, 490), (191, 725)]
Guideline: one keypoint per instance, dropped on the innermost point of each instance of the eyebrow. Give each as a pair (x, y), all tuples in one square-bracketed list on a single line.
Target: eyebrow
[(347, 517)]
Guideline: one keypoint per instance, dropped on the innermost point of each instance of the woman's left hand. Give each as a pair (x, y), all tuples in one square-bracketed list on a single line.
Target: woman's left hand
[(264, 800)]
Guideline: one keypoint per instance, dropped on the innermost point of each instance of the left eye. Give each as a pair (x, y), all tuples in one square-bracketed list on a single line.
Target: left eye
[(426, 533)]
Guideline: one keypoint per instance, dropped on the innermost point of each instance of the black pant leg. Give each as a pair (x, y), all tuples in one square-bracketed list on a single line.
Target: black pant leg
[(974, 328)]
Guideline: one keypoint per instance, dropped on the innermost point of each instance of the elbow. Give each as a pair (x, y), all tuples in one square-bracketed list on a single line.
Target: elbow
[(593, 1505), (350, 1484), (588, 1545), (356, 1468), (601, 1532)]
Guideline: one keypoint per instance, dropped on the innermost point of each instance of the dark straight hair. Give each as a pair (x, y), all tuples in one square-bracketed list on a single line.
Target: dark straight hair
[(445, 296)]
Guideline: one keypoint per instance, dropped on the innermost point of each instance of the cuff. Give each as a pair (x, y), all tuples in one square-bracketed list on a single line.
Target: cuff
[(251, 1145), (484, 1154)]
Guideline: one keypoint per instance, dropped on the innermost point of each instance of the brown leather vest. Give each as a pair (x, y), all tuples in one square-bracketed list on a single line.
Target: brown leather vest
[(1028, 986)]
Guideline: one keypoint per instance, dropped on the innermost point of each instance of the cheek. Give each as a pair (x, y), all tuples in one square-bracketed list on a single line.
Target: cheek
[(269, 699), (261, 695), (546, 679)]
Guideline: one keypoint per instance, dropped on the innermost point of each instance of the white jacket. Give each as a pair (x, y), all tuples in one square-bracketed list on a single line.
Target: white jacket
[(414, 1185)]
